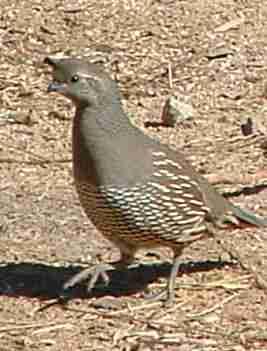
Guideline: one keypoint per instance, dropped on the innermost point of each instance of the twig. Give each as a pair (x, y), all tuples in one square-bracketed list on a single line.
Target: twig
[(35, 325), (213, 308), (5, 145), (248, 179), (39, 162), (259, 280), (170, 75), (130, 309)]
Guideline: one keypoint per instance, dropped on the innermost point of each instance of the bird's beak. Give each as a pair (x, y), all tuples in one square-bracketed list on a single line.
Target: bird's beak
[(56, 87)]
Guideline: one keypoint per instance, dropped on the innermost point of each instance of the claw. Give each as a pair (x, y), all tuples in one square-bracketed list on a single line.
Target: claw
[(95, 272)]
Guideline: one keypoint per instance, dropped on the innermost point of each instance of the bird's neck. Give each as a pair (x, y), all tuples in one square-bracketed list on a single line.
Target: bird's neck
[(106, 146), (98, 128)]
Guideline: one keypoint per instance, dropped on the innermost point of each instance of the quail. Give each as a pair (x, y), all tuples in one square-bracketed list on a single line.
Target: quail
[(137, 192)]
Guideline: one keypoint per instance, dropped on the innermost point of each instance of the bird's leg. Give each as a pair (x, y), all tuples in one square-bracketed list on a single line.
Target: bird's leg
[(168, 293), (170, 288), (98, 271)]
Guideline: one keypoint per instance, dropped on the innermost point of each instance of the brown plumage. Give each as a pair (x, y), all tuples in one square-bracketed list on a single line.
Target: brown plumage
[(137, 192)]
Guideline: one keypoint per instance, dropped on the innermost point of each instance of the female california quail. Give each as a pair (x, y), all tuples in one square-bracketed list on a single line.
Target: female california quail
[(137, 192)]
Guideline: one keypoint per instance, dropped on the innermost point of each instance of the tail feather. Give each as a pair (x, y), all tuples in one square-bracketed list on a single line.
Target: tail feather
[(249, 217)]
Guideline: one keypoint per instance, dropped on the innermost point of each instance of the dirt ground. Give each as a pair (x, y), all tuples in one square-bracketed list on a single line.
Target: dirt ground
[(213, 54)]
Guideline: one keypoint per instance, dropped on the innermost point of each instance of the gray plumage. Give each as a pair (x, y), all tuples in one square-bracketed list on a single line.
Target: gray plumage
[(137, 192)]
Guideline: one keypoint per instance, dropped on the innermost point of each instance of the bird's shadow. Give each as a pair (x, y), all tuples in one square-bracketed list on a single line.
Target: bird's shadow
[(37, 280)]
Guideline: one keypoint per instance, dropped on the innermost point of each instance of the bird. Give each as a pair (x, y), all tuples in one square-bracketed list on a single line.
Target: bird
[(138, 192)]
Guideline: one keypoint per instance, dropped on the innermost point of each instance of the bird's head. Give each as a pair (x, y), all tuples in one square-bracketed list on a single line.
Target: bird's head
[(84, 83)]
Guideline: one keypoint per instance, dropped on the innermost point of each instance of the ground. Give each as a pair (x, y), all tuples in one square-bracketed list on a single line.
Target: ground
[(213, 54)]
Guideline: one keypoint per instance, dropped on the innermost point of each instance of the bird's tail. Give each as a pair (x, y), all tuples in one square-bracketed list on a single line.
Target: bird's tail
[(249, 217)]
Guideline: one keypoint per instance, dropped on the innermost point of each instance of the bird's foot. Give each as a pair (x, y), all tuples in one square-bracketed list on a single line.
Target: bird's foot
[(93, 274), (164, 295)]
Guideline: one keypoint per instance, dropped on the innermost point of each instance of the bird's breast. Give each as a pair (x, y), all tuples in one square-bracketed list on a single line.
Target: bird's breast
[(140, 213)]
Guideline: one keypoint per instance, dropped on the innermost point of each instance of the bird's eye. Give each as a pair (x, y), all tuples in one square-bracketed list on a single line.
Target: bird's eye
[(74, 78)]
